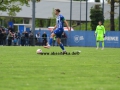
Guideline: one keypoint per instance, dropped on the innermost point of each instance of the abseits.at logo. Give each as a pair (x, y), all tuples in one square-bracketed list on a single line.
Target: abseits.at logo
[(77, 38)]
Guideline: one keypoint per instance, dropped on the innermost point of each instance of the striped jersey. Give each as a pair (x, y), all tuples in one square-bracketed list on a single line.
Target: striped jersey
[(60, 21)]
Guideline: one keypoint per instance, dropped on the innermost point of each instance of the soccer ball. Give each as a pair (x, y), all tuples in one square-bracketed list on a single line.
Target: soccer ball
[(39, 51)]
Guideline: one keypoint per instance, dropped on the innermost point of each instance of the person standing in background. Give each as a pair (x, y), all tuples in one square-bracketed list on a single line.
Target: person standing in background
[(23, 39), (64, 39), (4, 37), (10, 37), (37, 36), (31, 37), (18, 38), (11, 29), (44, 37), (1, 36), (26, 38)]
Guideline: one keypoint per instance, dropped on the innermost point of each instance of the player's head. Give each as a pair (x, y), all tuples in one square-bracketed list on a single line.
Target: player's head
[(57, 11), (100, 22)]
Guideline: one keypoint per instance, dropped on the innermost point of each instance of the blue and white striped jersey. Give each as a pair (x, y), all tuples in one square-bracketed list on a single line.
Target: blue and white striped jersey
[(60, 21)]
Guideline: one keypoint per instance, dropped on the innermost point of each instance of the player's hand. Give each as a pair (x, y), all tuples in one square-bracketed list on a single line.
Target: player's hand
[(69, 29), (95, 35), (52, 31), (104, 36)]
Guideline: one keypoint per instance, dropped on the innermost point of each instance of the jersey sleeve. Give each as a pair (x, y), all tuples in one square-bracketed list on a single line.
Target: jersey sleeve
[(62, 18), (103, 30), (96, 30)]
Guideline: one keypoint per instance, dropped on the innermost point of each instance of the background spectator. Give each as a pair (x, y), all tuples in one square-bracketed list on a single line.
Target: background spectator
[(18, 38), (23, 39), (31, 39), (10, 37), (4, 37), (64, 39), (37, 36), (10, 29), (1, 36), (26, 38), (15, 41), (44, 37)]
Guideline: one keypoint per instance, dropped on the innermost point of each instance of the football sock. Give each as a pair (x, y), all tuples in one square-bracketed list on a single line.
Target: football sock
[(103, 44), (50, 42), (97, 44), (61, 46)]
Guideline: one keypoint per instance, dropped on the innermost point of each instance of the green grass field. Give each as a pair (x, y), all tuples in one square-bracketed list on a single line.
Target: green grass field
[(22, 69)]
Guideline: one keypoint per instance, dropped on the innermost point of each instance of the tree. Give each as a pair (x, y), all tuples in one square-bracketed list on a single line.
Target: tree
[(53, 18), (85, 0), (79, 0), (96, 15), (12, 6), (112, 24), (97, 0)]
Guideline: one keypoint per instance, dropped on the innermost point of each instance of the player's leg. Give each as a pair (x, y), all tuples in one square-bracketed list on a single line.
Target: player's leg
[(51, 38), (97, 42), (102, 45), (58, 35), (60, 44), (102, 40), (50, 41)]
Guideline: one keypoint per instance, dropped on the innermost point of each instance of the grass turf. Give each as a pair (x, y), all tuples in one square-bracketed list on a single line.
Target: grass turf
[(22, 69)]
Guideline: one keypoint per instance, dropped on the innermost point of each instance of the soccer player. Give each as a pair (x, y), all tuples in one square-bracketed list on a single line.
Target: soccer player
[(100, 34), (58, 30)]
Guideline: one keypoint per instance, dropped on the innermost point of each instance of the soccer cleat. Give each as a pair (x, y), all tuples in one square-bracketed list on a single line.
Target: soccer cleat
[(64, 52), (78, 52), (97, 48), (47, 46), (102, 49)]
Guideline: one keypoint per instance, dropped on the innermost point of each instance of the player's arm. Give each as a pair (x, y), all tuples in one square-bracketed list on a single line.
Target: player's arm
[(55, 27), (66, 23), (104, 31), (96, 31)]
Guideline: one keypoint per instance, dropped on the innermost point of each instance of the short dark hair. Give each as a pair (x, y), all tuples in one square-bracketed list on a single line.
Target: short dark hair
[(58, 10), (100, 21)]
